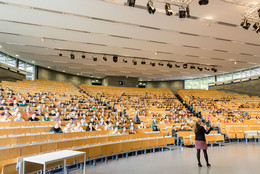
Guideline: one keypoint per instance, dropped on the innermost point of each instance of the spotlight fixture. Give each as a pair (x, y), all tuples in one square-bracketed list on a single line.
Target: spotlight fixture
[(169, 65), (200, 69), (177, 66), (143, 62), (94, 59), (150, 7), (115, 59), (104, 58), (206, 68), (203, 2), (256, 26), (131, 3), (72, 56), (214, 70), (160, 64), (188, 11), (168, 9), (182, 12), (124, 60), (185, 66), (134, 62), (60, 54), (83, 56), (245, 24), (152, 63), (192, 67)]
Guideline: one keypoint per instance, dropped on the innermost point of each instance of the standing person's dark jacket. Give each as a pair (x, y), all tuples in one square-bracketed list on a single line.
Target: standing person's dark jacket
[(174, 133), (58, 130), (200, 133)]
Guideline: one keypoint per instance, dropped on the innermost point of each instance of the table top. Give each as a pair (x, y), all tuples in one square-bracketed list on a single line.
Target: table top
[(53, 156)]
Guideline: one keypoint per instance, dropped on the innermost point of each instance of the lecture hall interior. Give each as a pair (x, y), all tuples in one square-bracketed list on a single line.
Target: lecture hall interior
[(129, 86)]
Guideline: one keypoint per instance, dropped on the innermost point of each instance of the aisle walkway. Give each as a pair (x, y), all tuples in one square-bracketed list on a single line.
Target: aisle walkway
[(233, 158)]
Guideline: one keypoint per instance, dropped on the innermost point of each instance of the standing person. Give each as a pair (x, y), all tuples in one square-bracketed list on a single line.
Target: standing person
[(200, 141)]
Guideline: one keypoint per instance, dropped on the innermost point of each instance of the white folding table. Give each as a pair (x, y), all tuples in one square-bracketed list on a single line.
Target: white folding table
[(52, 157)]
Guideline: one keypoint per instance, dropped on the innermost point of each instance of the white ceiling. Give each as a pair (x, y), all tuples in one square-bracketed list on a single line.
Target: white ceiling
[(211, 37)]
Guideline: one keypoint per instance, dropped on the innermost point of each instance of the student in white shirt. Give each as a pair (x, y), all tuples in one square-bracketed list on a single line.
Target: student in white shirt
[(78, 128), (115, 132), (5, 119), (68, 128), (19, 117)]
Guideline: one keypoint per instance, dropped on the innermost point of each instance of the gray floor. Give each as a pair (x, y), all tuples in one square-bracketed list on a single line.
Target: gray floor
[(237, 158)]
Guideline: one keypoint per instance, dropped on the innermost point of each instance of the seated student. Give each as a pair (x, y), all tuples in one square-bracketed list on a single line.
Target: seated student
[(167, 121), (6, 112), (52, 105), (102, 122), (39, 112), (97, 127), (137, 119), (57, 117), (15, 102), (108, 120), (117, 125), (116, 132), (68, 128), (67, 118), (23, 104), (162, 121), (132, 131), (141, 126), (56, 128), (19, 117), (154, 124), (2, 104), (76, 118), (109, 126), (46, 117), (90, 127), (124, 131), (5, 118), (27, 112), (226, 120), (52, 113), (83, 122), (78, 128), (17, 109), (132, 125), (33, 118)]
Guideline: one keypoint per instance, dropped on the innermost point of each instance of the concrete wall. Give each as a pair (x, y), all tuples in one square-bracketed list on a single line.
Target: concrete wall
[(7, 75), (48, 74), (173, 84), (251, 87), (114, 81)]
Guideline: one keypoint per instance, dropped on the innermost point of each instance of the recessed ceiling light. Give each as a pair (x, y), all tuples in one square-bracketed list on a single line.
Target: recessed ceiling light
[(33, 61), (16, 55), (0, 46), (49, 67), (155, 53), (57, 61), (78, 74), (209, 17), (63, 71)]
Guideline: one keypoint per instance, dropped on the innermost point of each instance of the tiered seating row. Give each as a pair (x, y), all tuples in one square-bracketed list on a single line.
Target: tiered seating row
[(8, 157)]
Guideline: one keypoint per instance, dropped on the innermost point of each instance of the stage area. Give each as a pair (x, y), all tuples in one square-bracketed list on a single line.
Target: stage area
[(233, 158)]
